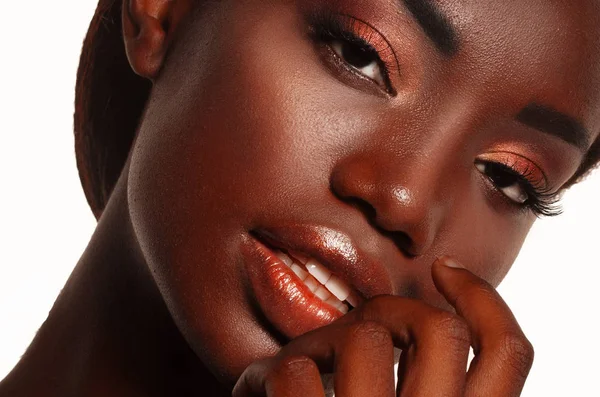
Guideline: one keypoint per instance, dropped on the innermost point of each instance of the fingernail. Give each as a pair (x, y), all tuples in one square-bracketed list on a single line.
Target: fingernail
[(449, 262)]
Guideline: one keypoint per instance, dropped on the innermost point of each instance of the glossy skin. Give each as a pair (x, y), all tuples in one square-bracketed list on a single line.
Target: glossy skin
[(249, 127)]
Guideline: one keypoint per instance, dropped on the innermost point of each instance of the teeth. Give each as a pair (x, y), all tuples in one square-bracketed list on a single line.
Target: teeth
[(301, 258), (352, 300), (284, 258), (338, 288), (333, 301), (303, 274), (342, 307), (323, 293), (318, 271), (311, 283), (320, 281)]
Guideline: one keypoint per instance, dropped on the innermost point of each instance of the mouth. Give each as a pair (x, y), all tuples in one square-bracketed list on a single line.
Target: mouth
[(305, 277), (319, 280)]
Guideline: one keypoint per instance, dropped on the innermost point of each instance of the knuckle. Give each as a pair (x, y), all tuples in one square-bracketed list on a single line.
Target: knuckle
[(371, 332), (292, 366), (516, 351), (286, 371), (451, 328), (375, 306)]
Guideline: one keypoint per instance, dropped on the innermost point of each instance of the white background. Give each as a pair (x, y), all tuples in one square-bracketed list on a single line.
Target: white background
[(45, 222)]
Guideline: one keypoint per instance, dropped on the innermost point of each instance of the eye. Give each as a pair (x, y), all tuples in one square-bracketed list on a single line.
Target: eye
[(521, 181), (355, 46), (509, 182), (363, 59)]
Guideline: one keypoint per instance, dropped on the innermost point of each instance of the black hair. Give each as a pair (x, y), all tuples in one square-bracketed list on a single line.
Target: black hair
[(109, 101)]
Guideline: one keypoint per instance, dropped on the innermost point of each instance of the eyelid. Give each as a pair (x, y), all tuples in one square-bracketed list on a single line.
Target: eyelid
[(341, 26), (521, 165), (364, 82), (373, 37), (542, 201)]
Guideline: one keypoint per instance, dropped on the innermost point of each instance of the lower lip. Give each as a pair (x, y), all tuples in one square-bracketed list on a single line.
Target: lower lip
[(284, 299)]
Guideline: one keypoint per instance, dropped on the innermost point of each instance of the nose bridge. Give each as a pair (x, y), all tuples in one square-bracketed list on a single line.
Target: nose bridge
[(409, 179), (404, 195)]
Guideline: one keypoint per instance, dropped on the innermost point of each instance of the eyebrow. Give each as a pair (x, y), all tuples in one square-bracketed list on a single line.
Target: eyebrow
[(553, 122), (543, 118), (435, 24)]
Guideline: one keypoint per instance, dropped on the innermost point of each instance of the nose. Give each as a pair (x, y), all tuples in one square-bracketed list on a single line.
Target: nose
[(405, 206)]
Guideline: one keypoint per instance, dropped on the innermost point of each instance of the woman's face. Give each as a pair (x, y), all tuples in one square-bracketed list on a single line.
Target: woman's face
[(265, 127)]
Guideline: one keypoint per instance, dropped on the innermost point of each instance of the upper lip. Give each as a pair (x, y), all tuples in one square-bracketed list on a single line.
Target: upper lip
[(334, 250)]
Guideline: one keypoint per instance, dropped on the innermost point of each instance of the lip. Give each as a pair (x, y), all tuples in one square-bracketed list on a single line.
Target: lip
[(286, 301), (336, 251)]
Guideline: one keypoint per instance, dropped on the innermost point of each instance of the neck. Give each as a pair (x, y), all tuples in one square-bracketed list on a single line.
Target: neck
[(109, 332)]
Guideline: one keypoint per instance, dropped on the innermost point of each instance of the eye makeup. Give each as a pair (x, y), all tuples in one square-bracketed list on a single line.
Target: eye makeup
[(521, 181), (327, 27)]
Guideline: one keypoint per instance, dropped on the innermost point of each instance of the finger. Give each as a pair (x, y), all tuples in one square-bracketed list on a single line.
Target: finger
[(436, 343), (365, 364), (435, 353), (286, 377), (439, 339), (503, 354), (295, 376)]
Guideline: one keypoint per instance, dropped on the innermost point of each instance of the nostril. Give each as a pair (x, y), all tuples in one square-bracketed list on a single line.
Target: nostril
[(404, 242), (364, 207), (401, 239)]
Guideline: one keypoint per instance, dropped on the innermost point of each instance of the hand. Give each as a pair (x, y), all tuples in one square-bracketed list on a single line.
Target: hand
[(358, 348)]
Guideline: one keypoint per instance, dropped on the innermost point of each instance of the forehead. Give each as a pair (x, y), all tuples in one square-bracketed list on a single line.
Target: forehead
[(545, 49)]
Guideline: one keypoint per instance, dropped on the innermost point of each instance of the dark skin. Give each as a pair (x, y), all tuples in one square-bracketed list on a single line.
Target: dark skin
[(251, 125)]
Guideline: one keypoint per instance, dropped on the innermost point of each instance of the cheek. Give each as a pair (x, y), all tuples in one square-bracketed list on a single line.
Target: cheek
[(191, 197), (484, 240), (490, 240), (225, 142), (237, 127), (224, 146)]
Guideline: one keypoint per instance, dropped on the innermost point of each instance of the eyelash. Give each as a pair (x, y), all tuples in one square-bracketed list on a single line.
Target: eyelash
[(327, 26), (541, 201)]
